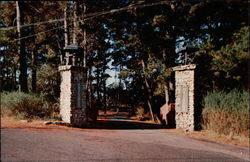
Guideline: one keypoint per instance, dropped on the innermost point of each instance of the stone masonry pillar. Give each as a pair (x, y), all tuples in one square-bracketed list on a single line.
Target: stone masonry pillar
[(185, 93), (73, 95)]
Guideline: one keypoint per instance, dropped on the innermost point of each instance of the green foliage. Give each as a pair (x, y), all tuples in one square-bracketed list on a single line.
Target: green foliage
[(47, 81), (27, 106), (234, 100), (227, 113), (229, 57), (228, 65)]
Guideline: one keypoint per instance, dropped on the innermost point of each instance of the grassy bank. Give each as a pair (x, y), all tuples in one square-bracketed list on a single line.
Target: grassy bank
[(27, 106), (227, 113)]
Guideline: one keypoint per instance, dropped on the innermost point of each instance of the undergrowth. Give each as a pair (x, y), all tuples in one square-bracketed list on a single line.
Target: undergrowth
[(227, 113), (28, 106)]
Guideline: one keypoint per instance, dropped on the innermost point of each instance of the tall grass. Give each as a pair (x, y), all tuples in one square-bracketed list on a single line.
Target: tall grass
[(227, 113), (27, 106)]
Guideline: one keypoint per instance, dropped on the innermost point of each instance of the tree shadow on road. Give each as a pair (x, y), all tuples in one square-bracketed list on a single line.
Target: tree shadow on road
[(124, 124), (122, 121)]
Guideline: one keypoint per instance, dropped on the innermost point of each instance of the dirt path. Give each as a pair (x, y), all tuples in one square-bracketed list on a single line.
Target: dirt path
[(115, 139)]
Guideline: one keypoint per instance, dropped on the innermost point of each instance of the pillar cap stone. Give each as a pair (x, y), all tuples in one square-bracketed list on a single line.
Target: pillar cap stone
[(184, 67)]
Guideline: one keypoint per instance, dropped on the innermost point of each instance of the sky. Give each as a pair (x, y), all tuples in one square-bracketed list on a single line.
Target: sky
[(112, 73)]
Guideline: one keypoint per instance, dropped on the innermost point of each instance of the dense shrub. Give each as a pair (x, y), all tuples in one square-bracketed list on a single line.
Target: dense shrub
[(27, 106), (227, 113)]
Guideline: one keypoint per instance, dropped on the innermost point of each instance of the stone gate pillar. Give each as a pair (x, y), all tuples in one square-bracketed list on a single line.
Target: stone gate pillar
[(185, 97), (73, 95), (73, 105)]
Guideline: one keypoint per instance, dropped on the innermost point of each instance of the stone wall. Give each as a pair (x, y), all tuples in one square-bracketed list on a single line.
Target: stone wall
[(73, 95), (185, 93)]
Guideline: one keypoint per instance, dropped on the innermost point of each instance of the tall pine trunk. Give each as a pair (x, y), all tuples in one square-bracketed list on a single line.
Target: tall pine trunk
[(34, 61), (90, 88), (84, 36), (149, 92), (75, 23), (66, 38), (22, 53), (34, 69), (98, 84), (104, 90), (166, 87), (13, 78)]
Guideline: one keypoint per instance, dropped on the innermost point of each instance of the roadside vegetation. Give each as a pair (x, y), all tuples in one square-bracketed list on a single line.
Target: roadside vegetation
[(27, 106), (227, 113)]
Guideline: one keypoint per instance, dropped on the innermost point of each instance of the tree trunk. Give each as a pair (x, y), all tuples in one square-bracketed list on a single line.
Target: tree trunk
[(166, 94), (34, 61), (166, 89), (149, 96), (84, 37), (104, 91), (14, 77), (34, 69), (66, 38), (75, 24), (87, 89), (104, 97), (22, 54), (97, 84), (90, 88)]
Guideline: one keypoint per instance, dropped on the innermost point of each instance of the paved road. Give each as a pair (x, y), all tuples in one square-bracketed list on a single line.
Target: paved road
[(112, 144)]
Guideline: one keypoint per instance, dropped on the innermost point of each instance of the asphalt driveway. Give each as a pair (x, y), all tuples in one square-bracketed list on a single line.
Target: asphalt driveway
[(123, 141)]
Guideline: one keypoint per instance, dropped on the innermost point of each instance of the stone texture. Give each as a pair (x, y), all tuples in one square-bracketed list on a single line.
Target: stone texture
[(185, 97), (73, 95)]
